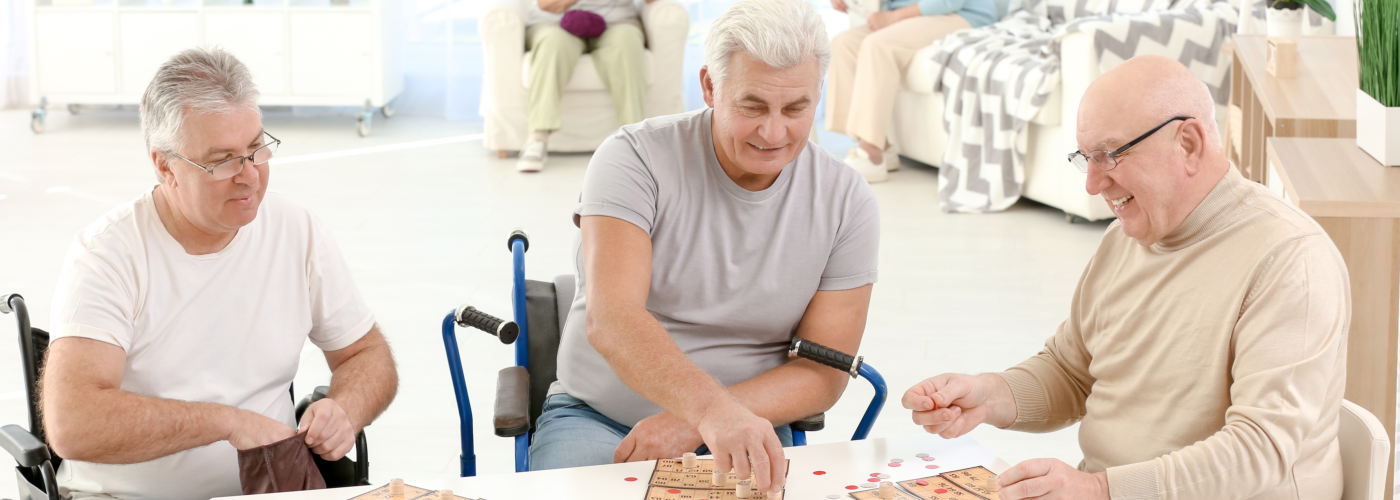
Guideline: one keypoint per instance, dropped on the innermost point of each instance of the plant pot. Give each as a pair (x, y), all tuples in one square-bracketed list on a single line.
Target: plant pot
[(1378, 129), (1284, 22), (1323, 29)]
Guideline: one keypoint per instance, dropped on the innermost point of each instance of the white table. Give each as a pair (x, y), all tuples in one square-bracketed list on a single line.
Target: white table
[(848, 463)]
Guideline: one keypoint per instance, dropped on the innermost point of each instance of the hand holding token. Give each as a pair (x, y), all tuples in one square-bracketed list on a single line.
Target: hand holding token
[(740, 440), (1050, 479), (951, 405)]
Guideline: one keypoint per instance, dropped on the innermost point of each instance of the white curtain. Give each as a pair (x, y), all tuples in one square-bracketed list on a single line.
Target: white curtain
[(14, 54)]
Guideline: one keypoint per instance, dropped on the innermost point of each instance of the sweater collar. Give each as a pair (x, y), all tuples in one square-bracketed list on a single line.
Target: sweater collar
[(1210, 217)]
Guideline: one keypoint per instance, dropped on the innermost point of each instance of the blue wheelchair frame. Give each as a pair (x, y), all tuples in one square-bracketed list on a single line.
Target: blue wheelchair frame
[(518, 246)]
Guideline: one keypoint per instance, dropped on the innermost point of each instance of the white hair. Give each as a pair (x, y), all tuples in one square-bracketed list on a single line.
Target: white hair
[(779, 33), (194, 81)]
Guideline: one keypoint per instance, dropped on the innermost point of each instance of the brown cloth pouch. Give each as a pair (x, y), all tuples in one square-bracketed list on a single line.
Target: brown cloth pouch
[(279, 467)]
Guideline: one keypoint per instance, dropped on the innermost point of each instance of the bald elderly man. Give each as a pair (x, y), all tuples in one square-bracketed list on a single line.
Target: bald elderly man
[(1204, 354)]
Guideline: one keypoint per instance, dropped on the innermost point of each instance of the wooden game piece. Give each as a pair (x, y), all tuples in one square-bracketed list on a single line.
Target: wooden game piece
[(688, 461), (744, 490), (717, 478), (396, 489), (886, 490), (446, 495), (897, 460), (921, 455), (991, 484), (774, 495)]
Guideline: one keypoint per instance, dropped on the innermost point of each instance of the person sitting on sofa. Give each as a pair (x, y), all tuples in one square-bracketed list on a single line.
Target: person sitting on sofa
[(618, 55), (868, 63)]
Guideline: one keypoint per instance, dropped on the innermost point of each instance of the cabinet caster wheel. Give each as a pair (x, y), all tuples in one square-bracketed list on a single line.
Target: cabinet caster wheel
[(389, 109), (36, 122), (364, 125), (73, 109)]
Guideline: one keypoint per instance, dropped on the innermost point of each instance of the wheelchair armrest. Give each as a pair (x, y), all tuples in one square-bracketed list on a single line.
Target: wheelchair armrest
[(28, 450), (813, 423), (316, 395), (512, 401)]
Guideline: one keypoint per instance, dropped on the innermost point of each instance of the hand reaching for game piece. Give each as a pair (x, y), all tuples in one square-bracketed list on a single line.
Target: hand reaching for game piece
[(839, 5), (329, 432), (951, 405), (662, 435), (251, 430), (1050, 479), (737, 438)]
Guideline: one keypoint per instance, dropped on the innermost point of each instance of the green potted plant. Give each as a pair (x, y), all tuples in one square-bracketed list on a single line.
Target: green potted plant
[(1285, 18), (1378, 98)]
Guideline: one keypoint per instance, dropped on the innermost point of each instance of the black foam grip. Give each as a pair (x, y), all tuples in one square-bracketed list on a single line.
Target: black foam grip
[(824, 355), (507, 331)]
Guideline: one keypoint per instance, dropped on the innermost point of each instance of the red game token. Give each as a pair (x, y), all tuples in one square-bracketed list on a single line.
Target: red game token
[(673, 492), (940, 490), (930, 466), (928, 459), (921, 482), (819, 472), (853, 487), (894, 464), (874, 474), (630, 479)]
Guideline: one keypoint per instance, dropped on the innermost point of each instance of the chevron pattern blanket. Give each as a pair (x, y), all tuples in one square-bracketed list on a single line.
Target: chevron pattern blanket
[(996, 78)]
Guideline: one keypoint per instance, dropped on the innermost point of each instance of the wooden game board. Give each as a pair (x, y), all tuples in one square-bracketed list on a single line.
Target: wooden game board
[(963, 484), (671, 481), (410, 492)]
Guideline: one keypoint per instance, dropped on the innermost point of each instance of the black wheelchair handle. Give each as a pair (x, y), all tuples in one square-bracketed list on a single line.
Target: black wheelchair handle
[(825, 355), (472, 317)]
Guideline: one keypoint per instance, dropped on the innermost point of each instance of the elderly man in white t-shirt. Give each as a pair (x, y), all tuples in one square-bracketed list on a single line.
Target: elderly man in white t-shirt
[(180, 316)]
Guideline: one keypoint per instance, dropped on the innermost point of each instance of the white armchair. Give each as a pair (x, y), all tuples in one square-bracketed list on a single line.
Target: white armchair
[(587, 107)]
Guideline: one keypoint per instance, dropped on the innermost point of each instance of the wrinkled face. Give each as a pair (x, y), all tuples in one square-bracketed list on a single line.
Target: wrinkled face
[(220, 206), (1145, 189), (762, 115)]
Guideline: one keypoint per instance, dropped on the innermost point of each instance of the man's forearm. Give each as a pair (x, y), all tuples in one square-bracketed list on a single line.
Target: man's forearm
[(796, 390), (112, 426), (645, 358), (365, 384)]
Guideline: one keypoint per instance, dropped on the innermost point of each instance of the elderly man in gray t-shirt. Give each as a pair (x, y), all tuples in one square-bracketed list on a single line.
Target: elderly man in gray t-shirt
[(709, 239)]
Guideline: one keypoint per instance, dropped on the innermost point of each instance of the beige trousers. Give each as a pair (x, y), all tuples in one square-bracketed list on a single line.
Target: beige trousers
[(868, 67), (618, 55)]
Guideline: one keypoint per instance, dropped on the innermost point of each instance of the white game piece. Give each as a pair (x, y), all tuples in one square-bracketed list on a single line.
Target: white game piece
[(883, 476), (688, 461), (744, 490), (717, 478), (868, 485), (921, 455), (446, 495), (896, 460), (833, 497), (991, 484), (773, 495), (886, 490), (396, 488)]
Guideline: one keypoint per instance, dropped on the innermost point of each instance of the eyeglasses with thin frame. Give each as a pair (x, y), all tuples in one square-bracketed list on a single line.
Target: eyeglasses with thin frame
[(233, 166), (1107, 160)]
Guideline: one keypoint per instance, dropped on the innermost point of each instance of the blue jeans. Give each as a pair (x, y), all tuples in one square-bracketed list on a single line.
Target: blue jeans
[(569, 433)]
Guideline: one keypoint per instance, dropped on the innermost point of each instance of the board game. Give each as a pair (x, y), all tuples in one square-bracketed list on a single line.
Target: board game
[(963, 484), (410, 492), (671, 480)]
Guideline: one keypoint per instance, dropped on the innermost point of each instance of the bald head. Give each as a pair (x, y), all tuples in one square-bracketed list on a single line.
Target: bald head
[(1156, 183)]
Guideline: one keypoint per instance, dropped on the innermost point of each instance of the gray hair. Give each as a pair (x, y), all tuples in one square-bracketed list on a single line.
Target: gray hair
[(197, 80), (780, 33)]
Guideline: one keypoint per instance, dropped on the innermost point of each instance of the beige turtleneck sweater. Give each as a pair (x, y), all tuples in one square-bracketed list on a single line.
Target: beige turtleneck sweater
[(1209, 365)]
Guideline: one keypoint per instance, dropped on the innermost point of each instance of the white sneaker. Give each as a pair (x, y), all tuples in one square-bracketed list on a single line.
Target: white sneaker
[(859, 160), (531, 156), (891, 158)]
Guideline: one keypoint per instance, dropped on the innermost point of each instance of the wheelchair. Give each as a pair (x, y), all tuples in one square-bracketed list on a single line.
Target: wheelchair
[(540, 309), (35, 472)]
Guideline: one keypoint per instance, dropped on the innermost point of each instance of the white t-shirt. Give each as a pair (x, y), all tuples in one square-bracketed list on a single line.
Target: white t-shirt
[(226, 327)]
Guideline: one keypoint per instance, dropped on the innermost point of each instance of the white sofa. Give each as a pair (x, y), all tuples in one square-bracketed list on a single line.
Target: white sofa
[(586, 105), (917, 128)]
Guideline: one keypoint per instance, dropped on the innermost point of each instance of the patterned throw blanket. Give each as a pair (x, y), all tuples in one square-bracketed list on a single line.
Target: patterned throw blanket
[(996, 78)]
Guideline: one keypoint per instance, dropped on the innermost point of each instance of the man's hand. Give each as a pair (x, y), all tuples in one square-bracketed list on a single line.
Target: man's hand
[(737, 438), (328, 430), (839, 5), (662, 435), (951, 405), (885, 18), (1050, 479), (251, 430), (555, 6)]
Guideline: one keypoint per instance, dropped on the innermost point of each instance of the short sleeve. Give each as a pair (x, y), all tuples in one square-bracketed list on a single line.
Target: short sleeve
[(339, 315), (856, 252), (619, 184), (95, 298)]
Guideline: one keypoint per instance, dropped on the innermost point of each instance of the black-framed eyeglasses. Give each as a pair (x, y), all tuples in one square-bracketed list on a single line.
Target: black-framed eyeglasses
[(1106, 160), (233, 166)]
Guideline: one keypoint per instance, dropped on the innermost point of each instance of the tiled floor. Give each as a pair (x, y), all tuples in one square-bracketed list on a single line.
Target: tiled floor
[(424, 230)]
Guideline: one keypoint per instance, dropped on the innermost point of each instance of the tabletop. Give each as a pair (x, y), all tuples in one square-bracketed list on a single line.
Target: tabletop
[(1334, 178), (814, 471), (1325, 85)]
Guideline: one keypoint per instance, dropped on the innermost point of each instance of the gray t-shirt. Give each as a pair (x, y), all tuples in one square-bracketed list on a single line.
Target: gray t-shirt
[(732, 270)]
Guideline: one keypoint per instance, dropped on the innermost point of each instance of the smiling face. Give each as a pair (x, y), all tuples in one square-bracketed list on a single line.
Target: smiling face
[(762, 116), (215, 207), (1143, 190)]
